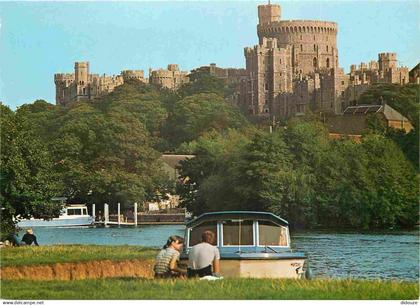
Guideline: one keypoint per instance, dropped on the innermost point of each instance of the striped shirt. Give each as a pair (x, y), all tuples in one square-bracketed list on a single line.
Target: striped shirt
[(163, 259)]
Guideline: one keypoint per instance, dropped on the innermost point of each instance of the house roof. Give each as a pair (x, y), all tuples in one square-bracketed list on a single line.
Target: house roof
[(226, 215), (389, 112), (392, 114), (415, 70), (353, 121), (174, 160), (362, 109)]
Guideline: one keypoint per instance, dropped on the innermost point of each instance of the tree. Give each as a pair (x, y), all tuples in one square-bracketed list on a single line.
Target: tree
[(195, 115), (392, 193), (105, 157), (27, 179), (141, 100), (203, 82), (204, 176)]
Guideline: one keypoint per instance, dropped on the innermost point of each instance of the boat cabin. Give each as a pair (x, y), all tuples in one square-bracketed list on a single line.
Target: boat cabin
[(76, 210), (241, 231)]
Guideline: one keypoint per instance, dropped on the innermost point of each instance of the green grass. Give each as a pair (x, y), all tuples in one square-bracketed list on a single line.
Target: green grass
[(19, 256), (131, 288)]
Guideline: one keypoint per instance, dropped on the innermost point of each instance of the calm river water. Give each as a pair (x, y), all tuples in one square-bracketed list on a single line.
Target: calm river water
[(343, 255)]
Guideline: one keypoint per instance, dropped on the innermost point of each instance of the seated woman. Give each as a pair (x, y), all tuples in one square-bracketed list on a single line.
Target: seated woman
[(204, 258), (166, 265), (29, 238)]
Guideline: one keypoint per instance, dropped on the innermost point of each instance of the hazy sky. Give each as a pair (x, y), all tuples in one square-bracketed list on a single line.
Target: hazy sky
[(38, 39)]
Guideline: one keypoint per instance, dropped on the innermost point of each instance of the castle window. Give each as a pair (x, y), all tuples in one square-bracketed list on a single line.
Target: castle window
[(301, 48), (314, 47), (314, 37), (328, 62), (315, 62), (327, 48), (300, 37)]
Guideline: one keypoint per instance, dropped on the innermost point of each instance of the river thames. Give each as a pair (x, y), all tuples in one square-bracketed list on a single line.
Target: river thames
[(335, 255)]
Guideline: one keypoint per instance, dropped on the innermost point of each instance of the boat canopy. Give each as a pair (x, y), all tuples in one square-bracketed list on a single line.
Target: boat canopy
[(243, 215)]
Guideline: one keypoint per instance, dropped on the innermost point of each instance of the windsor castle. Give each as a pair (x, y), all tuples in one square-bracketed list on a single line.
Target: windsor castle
[(293, 69)]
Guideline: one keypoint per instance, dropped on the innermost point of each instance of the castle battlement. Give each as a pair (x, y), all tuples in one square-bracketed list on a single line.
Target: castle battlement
[(171, 78), (81, 85)]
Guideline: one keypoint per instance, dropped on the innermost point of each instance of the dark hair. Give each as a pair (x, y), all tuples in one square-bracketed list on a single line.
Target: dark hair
[(173, 238), (207, 237)]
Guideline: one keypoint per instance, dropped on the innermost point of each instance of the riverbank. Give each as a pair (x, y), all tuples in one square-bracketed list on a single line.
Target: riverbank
[(125, 272)]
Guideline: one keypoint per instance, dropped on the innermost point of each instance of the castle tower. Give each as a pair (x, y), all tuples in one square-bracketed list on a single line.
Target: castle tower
[(81, 72), (268, 13), (387, 61)]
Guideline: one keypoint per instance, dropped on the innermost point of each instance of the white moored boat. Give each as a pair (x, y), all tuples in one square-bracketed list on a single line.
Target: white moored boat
[(71, 215), (251, 244)]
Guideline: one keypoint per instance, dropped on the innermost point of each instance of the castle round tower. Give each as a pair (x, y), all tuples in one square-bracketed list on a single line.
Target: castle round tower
[(314, 43), (81, 72)]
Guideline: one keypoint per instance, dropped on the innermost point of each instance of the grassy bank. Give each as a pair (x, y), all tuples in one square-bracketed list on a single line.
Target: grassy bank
[(130, 288), (136, 288), (27, 256)]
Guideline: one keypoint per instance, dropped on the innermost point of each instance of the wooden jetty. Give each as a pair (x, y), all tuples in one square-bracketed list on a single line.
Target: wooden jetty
[(138, 218)]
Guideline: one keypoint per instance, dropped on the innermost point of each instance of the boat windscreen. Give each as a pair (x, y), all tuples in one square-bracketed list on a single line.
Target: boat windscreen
[(271, 234), (195, 233), (238, 232), (74, 212)]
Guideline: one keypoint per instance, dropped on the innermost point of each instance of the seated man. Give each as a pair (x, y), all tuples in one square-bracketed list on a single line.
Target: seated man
[(204, 258), (29, 238)]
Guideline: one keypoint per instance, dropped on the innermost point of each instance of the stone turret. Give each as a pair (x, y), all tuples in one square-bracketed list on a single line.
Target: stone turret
[(387, 61), (81, 72), (269, 13)]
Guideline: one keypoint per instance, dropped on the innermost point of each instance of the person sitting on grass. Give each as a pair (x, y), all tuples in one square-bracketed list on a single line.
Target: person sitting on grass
[(166, 265), (203, 257), (13, 238), (29, 238)]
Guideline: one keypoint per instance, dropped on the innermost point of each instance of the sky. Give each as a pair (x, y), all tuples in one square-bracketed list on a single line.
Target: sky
[(38, 39)]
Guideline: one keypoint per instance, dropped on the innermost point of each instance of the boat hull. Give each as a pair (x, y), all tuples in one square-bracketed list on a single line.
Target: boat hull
[(57, 222), (292, 268)]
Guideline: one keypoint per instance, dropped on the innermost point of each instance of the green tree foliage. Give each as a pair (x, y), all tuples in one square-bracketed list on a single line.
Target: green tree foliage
[(27, 179), (214, 152), (302, 175), (195, 115), (203, 82), (105, 156), (141, 100)]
